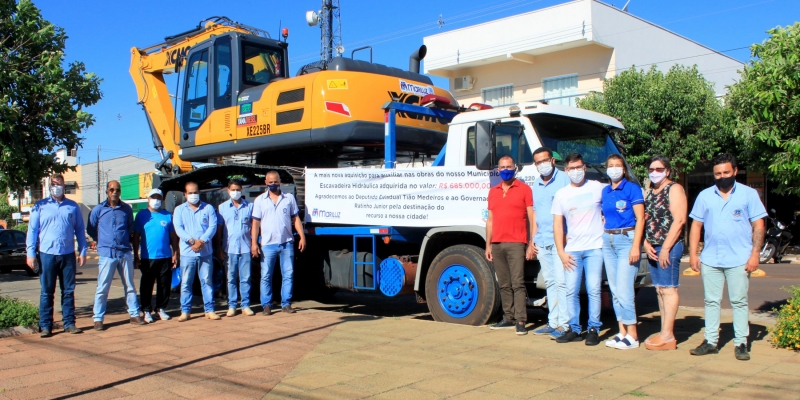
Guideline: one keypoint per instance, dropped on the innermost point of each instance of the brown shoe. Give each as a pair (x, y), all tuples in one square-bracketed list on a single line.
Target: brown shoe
[(184, 317), (267, 311), (98, 326), (212, 316), (137, 320), (288, 310)]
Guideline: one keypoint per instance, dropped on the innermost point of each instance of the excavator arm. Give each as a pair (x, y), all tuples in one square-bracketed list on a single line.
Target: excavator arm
[(148, 67)]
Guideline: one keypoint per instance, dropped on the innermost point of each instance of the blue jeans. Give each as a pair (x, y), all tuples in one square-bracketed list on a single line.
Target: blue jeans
[(714, 279), (270, 253), (61, 267), (105, 275), (239, 271), (590, 262), (189, 267), (556, 285), (621, 274)]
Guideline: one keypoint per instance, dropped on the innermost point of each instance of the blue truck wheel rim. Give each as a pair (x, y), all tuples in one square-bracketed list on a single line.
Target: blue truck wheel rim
[(457, 291)]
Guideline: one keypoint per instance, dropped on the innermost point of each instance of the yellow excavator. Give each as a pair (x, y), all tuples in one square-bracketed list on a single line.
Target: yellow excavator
[(235, 96)]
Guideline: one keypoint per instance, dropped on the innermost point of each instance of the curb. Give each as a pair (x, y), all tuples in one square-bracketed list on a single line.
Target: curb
[(18, 331)]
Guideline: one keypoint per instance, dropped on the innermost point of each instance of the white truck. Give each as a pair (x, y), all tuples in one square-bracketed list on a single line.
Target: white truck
[(422, 230)]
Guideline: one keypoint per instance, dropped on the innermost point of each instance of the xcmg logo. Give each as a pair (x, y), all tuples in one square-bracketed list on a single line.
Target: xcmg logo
[(172, 56), (413, 99), (326, 214)]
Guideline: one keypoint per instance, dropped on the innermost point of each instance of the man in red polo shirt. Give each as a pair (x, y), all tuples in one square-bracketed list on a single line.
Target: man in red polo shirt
[(510, 228)]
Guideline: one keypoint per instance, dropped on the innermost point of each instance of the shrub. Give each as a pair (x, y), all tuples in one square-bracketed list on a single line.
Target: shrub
[(21, 227), (786, 332), (15, 312)]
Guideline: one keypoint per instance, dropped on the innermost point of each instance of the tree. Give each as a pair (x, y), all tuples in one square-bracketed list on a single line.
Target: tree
[(676, 114), (41, 101), (766, 102)]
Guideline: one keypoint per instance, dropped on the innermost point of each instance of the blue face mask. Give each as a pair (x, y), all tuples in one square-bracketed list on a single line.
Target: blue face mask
[(275, 187), (507, 174)]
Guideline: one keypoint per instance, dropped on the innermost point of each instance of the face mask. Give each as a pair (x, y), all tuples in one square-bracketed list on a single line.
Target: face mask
[(545, 169), (193, 198), (57, 191), (657, 177), (235, 194), (725, 183), (507, 174), (576, 176), (274, 187), (615, 173), (155, 204)]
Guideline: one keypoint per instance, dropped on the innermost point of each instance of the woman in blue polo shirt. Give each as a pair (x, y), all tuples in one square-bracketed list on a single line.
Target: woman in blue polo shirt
[(623, 211)]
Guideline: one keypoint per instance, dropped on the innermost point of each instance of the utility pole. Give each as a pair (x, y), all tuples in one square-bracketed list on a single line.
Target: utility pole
[(98, 174)]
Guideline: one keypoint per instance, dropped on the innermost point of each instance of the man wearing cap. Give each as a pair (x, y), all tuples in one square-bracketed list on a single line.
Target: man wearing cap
[(154, 232), (236, 215), (110, 225)]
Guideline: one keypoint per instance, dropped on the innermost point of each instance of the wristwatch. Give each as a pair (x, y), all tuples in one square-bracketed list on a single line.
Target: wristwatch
[(191, 242)]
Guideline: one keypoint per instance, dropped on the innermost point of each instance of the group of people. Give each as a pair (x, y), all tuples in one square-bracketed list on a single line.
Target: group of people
[(575, 226), (158, 242)]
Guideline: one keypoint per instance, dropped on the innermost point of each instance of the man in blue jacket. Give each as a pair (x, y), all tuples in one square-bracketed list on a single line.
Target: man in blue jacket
[(195, 224), (110, 226), (53, 224)]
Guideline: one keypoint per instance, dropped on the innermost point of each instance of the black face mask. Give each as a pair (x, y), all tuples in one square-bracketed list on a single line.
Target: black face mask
[(725, 183)]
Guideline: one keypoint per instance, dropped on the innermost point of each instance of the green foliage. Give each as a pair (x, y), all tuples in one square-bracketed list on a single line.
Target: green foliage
[(41, 99), (6, 211), (22, 227), (15, 312), (767, 103), (676, 114), (786, 332)]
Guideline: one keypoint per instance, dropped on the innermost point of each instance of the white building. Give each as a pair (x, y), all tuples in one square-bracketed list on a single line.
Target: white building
[(561, 53)]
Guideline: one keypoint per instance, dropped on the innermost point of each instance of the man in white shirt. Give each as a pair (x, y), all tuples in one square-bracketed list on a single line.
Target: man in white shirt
[(579, 206)]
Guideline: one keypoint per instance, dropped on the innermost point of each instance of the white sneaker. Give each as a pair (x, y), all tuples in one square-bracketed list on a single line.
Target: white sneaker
[(148, 317), (627, 343), (163, 314), (613, 341)]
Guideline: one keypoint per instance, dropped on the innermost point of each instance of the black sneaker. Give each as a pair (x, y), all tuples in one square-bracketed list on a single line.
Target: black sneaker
[(569, 336), (45, 333), (521, 329), (704, 349), (592, 338), (741, 352), (503, 324), (72, 329)]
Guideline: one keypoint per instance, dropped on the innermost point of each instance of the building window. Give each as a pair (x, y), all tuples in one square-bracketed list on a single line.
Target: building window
[(561, 89), (70, 187), (499, 95)]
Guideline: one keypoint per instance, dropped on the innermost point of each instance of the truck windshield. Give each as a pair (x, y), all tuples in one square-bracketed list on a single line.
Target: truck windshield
[(569, 135)]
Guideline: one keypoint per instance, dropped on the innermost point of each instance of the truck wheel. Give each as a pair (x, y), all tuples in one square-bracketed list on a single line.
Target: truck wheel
[(461, 287)]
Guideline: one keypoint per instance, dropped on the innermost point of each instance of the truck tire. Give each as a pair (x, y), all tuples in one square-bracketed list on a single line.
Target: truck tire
[(461, 287)]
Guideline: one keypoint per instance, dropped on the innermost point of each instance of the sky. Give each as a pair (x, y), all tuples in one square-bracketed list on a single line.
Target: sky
[(101, 34)]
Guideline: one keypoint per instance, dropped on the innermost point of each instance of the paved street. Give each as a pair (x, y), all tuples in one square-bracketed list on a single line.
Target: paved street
[(368, 346)]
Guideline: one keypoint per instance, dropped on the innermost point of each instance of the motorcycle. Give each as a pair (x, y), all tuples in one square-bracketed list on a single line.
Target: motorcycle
[(777, 239)]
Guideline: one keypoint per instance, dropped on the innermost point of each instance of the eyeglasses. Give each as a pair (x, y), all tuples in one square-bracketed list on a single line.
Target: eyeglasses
[(659, 170), (114, 190), (575, 168), (547, 160), (504, 167)]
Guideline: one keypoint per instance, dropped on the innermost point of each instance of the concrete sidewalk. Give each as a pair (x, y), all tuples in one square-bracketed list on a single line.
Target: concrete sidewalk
[(324, 354)]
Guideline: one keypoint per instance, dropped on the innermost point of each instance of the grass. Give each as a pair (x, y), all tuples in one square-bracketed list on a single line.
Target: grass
[(638, 393)]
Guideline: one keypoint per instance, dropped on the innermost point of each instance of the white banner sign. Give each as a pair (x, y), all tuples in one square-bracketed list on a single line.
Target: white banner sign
[(428, 197)]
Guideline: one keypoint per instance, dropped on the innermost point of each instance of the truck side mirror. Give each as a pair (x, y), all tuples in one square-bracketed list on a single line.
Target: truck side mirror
[(484, 146)]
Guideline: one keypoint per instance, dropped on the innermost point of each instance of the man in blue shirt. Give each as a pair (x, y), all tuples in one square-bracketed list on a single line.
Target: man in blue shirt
[(549, 181), (236, 215), (153, 229), (732, 215), (110, 226), (195, 224), (53, 224), (274, 214)]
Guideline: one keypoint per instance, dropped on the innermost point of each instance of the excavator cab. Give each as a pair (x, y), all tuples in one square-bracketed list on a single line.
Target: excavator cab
[(217, 70)]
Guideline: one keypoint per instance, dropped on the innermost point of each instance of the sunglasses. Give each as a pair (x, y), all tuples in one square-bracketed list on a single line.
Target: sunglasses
[(659, 170), (114, 190)]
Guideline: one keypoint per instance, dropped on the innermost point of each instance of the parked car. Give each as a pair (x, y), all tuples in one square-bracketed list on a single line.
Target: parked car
[(13, 254)]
